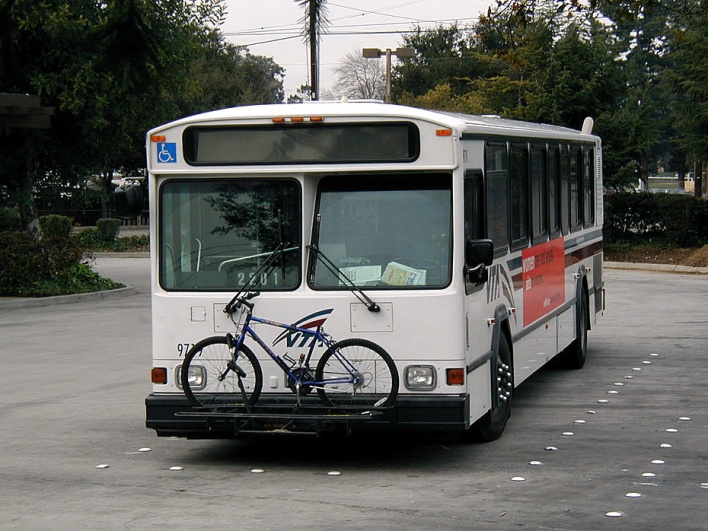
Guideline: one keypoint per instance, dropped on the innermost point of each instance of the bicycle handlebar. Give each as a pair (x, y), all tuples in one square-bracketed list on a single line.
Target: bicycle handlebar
[(241, 301)]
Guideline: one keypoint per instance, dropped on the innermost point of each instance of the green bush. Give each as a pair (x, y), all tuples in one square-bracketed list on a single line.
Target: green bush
[(701, 220), (23, 260), (38, 268), (133, 243), (77, 278), (88, 238), (678, 216), (677, 220), (55, 228), (107, 229), (10, 219)]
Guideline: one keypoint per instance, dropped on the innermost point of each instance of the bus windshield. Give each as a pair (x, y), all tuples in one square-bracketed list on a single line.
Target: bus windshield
[(391, 231), (215, 234)]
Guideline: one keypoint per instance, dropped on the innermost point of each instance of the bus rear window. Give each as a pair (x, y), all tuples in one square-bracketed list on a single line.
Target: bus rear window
[(302, 144)]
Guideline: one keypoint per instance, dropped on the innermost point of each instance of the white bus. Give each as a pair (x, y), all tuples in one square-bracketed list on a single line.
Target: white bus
[(479, 239)]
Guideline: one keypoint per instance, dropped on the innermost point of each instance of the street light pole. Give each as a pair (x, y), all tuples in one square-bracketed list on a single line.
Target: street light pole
[(388, 75), (375, 53)]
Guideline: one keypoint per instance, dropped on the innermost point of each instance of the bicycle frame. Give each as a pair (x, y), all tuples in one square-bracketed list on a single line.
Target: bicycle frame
[(319, 337)]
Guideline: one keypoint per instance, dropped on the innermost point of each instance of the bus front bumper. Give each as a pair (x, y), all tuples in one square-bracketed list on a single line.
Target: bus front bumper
[(173, 416)]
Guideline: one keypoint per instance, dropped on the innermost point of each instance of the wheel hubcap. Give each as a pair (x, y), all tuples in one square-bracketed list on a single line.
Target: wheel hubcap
[(504, 383)]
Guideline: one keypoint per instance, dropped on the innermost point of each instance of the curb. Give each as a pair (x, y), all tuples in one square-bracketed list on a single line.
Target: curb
[(127, 254), (10, 303), (661, 268)]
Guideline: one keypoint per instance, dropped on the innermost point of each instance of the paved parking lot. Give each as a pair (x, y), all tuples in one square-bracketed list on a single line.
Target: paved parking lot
[(625, 436)]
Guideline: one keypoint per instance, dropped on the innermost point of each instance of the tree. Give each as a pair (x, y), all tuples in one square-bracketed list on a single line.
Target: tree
[(358, 77), (641, 131), (547, 61), (442, 56), (304, 93), (646, 130), (519, 63), (226, 75), (686, 80), (517, 51), (638, 67), (113, 70)]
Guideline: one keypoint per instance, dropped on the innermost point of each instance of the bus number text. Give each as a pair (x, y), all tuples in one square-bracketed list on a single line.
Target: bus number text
[(183, 348)]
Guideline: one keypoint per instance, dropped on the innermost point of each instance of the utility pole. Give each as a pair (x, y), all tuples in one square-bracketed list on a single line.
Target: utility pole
[(314, 42)]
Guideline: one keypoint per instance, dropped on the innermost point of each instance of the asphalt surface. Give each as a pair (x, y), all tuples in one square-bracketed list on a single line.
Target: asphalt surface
[(580, 452)]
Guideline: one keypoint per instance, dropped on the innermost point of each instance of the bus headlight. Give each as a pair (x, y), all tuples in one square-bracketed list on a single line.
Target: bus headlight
[(420, 377), (197, 377)]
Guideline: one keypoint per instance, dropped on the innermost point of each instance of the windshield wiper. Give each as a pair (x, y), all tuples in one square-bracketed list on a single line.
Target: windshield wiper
[(356, 290), (263, 271)]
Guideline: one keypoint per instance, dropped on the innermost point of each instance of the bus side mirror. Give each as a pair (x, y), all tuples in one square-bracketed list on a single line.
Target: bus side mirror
[(129, 199), (478, 255)]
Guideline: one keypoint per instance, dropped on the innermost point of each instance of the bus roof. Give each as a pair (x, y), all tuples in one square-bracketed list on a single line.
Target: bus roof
[(461, 123)]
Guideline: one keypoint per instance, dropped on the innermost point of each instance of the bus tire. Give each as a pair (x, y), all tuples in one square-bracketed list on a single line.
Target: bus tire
[(491, 426), (575, 354)]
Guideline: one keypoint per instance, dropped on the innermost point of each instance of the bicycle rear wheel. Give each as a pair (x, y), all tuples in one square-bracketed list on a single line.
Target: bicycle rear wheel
[(376, 376), (209, 375)]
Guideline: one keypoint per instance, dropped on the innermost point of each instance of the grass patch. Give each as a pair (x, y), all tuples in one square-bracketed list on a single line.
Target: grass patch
[(655, 252), (77, 278)]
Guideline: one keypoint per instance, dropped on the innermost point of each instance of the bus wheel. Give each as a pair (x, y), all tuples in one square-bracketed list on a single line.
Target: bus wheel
[(491, 425), (573, 357)]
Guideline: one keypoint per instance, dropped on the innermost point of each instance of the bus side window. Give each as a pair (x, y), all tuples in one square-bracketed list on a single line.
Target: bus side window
[(576, 189), (539, 195), (554, 193), (497, 193), (474, 205), (588, 188), (565, 189), (519, 179)]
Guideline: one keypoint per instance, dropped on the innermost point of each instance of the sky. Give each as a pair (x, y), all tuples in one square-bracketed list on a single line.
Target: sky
[(273, 28)]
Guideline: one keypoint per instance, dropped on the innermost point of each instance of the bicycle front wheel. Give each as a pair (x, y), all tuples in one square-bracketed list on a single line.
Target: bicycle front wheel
[(213, 376), (357, 374)]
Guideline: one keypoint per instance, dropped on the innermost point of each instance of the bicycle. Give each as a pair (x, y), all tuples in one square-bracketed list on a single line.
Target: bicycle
[(222, 372)]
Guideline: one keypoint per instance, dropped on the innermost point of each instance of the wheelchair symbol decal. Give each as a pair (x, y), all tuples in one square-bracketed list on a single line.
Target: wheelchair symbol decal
[(166, 152)]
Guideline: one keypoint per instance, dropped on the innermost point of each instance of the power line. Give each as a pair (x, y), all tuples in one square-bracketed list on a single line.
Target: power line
[(334, 34), (326, 34), (295, 30), (381, 13), (271, 40), (267, 31)]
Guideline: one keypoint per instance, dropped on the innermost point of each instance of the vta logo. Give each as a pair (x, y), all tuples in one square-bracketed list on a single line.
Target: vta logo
[(296, 338)]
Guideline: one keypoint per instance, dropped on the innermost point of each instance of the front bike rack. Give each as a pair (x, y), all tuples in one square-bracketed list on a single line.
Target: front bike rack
[(287, 420)]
